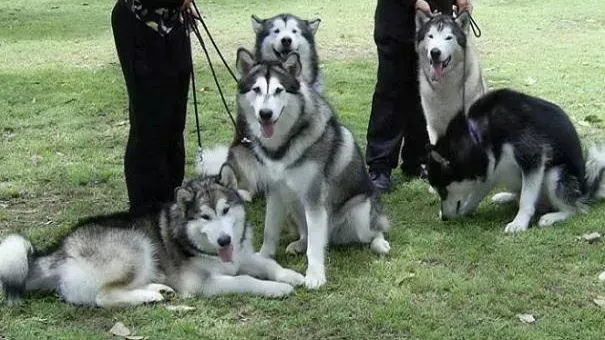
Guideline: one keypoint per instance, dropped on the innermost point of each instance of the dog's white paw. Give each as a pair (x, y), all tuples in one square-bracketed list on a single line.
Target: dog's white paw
[(277, 289), (245, 194), (297, 247), (160, 288), (549, 219), (380, 246), (164, 290), (147, 296), (504, 197), (515, 227), (314, 280), (290, 277)]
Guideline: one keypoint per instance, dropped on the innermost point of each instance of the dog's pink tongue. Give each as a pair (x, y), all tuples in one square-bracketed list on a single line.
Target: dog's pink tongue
[(436, 72), (226, 253), (267, 129)]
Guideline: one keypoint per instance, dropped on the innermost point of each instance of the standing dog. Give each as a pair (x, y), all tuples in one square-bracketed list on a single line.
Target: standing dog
[(525, 143), (448, 69), (198, 245), (312, 165)]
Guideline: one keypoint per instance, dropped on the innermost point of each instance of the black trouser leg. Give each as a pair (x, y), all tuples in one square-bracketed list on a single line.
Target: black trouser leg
[(396, 110), (156, 70)]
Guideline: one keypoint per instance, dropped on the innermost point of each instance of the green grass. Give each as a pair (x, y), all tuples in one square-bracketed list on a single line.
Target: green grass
[(63, 130)]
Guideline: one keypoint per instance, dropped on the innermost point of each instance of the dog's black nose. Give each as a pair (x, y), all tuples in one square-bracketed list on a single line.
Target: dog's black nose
[(435, 53), (224, 240), (286, 42), (265, 114)]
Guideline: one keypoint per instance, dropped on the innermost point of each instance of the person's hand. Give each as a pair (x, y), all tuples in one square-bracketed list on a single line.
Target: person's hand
[(422, 5), (186, 4), (463, 5)]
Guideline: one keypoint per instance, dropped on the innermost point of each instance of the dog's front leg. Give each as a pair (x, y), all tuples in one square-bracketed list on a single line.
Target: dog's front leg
[(274, 219), (317, 240), (264, 268), (530, 192), (242, 284)]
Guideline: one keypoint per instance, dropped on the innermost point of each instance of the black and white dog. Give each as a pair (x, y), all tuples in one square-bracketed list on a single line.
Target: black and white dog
[(523, 142)]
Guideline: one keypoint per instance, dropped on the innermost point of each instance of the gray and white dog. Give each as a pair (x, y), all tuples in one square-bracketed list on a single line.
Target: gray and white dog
[(275, 38), (522, 142), (198, 245), (313, 168), (448, 69)]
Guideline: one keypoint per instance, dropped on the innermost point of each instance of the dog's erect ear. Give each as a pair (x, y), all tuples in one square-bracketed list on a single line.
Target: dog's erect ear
[(439, 159), (257, 24), (183, 195), (292, 64), (421, 19), (313, 25), (227, 177), (463, 20), (244, 61)]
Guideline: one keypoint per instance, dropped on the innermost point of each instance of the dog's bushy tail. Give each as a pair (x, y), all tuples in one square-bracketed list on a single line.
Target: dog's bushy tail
[(212, 161), (378, 221), (595, 173), (16, 254)]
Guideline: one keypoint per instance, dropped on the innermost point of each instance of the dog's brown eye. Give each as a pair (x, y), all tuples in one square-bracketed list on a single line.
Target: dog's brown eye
[(294, 31), (430, 36), (256, 89), (225, 210), (278, 90), (206, 217), (276, 31), (449, 37)]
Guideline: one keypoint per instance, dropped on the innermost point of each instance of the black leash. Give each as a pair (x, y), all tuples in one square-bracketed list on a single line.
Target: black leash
[(189, 20), (477, 33), (201, 19)]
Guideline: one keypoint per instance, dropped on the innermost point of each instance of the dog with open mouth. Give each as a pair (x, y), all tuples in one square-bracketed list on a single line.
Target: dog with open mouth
[(449, 72), (278, 36), (198, 245)]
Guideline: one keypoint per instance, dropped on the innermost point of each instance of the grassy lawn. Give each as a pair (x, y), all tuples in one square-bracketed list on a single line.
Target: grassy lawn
[(63, 128)]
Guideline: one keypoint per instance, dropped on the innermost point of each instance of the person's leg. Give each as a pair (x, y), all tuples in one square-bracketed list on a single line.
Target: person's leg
[(415, 136), (180, 47), (393, 34), (143, 57)]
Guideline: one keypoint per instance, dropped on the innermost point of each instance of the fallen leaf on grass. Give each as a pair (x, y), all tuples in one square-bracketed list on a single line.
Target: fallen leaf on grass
[(35, 160), (404, 278), (591, 237), (599, 301), (526, 318), (602, 276), (180, 308), (119, 329), (530, 81)]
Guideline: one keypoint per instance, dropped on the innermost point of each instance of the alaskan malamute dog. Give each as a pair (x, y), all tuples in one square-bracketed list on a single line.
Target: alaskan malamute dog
[(276, 37), (312, 165), (524, 143), (198, 245), (448, 69)]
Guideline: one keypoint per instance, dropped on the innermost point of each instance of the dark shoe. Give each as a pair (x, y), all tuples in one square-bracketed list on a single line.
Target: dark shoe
[(381, 180)]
